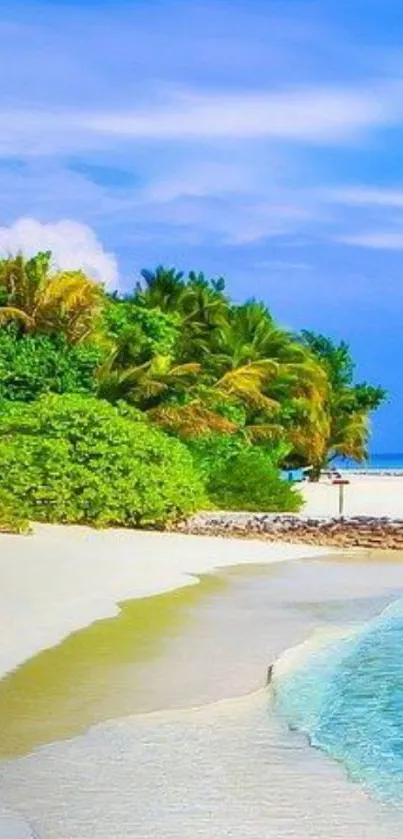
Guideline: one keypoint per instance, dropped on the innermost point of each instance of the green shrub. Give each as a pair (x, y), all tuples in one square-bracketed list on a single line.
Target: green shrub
[(13, 517), (78, 459), (140, 333), (31, 365), (239, 476)]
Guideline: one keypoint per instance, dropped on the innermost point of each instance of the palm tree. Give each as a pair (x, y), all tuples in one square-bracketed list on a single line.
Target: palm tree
[(204, 313), (163, 289), (247, 384), (347, 405), (251, 334), (199, 303), (145, 385), (192, 420), (277, 378), (66, 302)]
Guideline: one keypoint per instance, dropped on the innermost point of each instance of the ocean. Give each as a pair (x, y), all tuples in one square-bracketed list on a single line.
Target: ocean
[(383, 462), (346, 695)]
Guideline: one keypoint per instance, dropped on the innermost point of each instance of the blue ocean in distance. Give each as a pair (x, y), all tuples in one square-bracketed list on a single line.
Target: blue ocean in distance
[(377, 462), (347, 697)]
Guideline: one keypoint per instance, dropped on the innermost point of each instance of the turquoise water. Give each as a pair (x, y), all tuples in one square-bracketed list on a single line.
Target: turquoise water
[(392, 462), (348, 698), (389, 461)]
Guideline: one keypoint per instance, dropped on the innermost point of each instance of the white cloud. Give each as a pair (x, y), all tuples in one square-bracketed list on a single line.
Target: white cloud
[(73, 245), (312, 115), (376, 240), (366, 196)]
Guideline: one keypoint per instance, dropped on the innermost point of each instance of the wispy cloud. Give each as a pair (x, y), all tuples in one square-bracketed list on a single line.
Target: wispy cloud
[(320, 115), (366, 196), (312, 115), (375, 240)]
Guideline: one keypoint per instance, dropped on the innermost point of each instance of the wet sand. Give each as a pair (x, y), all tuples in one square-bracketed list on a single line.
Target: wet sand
[(63, 578), (161, 766)]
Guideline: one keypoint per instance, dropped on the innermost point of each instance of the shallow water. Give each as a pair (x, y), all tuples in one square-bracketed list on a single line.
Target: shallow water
[(229, 769), (347, 695)]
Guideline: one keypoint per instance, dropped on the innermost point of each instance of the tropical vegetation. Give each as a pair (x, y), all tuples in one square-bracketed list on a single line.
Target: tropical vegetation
[(74, 458), (139, 408)]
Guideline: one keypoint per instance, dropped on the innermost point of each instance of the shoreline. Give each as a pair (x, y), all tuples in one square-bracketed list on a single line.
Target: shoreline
[(64, 578), (231, 633)]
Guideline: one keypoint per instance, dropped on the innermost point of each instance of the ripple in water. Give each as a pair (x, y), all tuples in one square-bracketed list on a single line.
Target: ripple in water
[(347, 696)]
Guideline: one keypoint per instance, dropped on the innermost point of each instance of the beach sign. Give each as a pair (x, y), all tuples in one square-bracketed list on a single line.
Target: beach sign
[(341, 483)]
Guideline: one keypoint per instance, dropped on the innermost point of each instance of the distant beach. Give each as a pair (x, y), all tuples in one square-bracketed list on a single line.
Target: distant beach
[(368, 494)]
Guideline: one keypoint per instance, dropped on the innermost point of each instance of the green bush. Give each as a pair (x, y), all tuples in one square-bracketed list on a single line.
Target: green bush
[(31, 365), (77, 459), (239, 476), (140, 333), (13, 517)]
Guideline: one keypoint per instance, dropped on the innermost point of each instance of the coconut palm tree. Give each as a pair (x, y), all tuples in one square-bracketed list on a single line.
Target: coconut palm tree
[(347, 406), (265, 368), (163, 289), (204, 315), (66, 302), (251, 334), (192, 420), (145, 385)]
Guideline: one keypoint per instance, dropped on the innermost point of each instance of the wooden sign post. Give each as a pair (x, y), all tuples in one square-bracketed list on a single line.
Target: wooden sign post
[(341, 483)]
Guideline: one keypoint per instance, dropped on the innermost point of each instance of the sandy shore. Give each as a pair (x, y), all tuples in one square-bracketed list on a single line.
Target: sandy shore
[(63, 578), (212, 760), (364, 496)]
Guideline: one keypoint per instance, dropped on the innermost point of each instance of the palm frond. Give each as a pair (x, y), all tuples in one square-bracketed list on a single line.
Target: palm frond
[(192, 420)]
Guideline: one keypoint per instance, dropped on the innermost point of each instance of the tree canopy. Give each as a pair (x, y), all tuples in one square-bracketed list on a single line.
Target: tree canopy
[(220, 376)]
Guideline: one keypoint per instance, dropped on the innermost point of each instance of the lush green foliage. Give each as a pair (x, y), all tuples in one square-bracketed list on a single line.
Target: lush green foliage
[(245, 395), (139, 333), (13, 514), (77, 459), (240, 476), (31, 365), (49, 302), (347, 405)]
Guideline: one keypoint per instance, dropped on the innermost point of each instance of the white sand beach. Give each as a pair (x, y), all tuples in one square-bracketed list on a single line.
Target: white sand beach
[(365, 495), (63, 578)]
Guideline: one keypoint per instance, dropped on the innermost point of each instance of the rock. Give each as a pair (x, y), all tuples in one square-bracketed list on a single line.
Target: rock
[(356, 531)]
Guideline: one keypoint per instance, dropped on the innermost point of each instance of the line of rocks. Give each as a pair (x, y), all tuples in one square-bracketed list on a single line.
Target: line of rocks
[(356, 531)]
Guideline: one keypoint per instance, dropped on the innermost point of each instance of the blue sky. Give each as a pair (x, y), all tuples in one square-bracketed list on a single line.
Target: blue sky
[(259, 140)]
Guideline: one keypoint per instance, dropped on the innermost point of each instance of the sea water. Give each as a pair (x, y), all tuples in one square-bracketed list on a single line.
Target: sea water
[(347, 696), (376, 462)]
